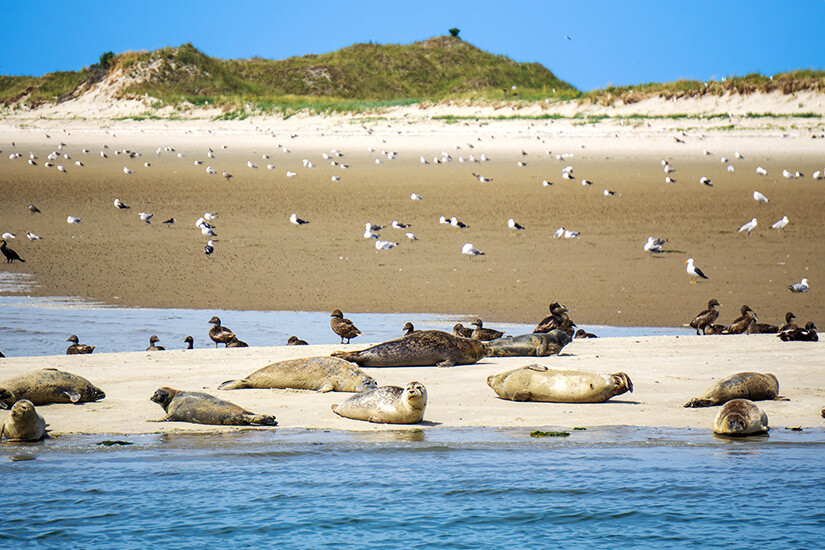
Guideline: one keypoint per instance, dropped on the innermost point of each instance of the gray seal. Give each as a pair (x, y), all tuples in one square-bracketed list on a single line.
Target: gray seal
[(23, 423), (742, 385), (539, 383), (202, 408), (536, 344), (421, 348), (740, 417), (321, 374), (45, 386), (386, 405)]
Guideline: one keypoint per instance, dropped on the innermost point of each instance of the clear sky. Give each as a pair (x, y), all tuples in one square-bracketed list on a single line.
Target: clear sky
[(610, 42)]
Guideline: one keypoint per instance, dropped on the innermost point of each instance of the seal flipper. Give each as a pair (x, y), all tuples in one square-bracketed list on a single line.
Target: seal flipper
[(538, 368), (73, 396), (327, 387), (446, 363), (523, 395), (234, 384), (263, 420), (698, 402)]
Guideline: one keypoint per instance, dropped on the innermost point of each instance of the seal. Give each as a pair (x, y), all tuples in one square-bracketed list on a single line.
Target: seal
[(322, 374), (740, 417), (45, 386), (742, 385), (536, 344), (539, 383), (23, 423), (386, 405), (421, 348), (202, 408)]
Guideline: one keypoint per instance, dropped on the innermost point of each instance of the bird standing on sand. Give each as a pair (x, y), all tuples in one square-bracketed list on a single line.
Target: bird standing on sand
[(654, 246), (10, 254), (749, 226), (33, 209), (77, 349), (152, 341), (481, 333), (469, 250), (741, 324), (781, 224), (343, 327), (208, 248), (218, 333), (73, 219), (706, 317), (296, 220), (145, 216), (694, 271), (759, 197), (801, 286), (32, 236), (119, 204), (515, 226)]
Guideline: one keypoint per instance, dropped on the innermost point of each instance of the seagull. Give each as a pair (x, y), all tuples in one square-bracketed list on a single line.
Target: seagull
[(512, 224), (608, 193), (210, 216), (780, 225), (546, 183), (226, 175), (694, 271), (369, 233), (469, 250), (119, 204), (8, 235), (731, 169), (568, 234), (72, 219), (209, 248), (32, 236), (385, 245), (748, 226), (705, 181), (145, 216), (801, 286), (738, 155), (33, 209), (127, 171), (78, 163), (761, 171), (250, 164), (411, 236), (444, 220), (481, 178), (60, 168), (296, 220), (654, 245), (206, 230), (459, 224), (416, 197), (398, 225), (757, 196), (374, 227), (291, 174), (586, 182), (336, 178), (559, 233), (211, 171)]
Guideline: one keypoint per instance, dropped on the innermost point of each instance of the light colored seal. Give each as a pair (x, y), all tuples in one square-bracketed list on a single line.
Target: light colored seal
[(742, 385), (321, 374), (740, 417), (202, 408), (386, 405), (421, 348), (23, 423), (536, 344), (48, 386), (539, 383)]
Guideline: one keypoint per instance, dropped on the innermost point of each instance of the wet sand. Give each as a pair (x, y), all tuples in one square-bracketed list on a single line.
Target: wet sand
[(264, 262)]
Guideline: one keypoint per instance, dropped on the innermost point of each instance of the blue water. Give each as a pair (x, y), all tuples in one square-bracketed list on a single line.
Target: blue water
[(451, 488)]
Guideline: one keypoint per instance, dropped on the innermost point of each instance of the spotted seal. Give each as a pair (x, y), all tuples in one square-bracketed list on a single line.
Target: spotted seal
[(536, 344), (202, 408), (742, 385), (386, 405), (421, 348), (23, 423), (740, 417), (539, 383), (321, 374), (46, 386)]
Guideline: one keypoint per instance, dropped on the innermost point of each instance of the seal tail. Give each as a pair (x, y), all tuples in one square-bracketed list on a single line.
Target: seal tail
[(233, 385), (263, 420), (697, 402), (346, 355)]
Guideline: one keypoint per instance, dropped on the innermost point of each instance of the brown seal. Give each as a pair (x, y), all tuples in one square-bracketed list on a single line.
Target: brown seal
[(421, 348), (321, 374), (386, 405), (539, 383), (46, 386), (740, 417), (202, 408), (23, 423), (742, 385)]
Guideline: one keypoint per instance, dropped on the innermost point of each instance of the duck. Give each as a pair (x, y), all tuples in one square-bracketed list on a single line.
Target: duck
[(218, 333), (78, 349), (557, 318), (706, 317), (408, 328), (460, 331), (235, 343), (152, 346), (740, 325), (789, 324), (484, 334), (581, 333), (762, 328), (10, 254), (807, 334), (190, 342), (295, 341), (343, 327)]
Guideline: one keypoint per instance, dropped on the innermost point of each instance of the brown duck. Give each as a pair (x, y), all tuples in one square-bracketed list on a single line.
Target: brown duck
[(557, 319), (485, 334), (740, 325), (295, 341), (706, 317), (581, 333), (408, 328), (343, 327), (77, 349), (219, 334), (152, 341), (789, 324), (460, 331), (807, 334), (235, 343), (190, 342), (10, 254)]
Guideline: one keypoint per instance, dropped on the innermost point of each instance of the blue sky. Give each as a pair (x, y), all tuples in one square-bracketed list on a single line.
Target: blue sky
[(611, 42)]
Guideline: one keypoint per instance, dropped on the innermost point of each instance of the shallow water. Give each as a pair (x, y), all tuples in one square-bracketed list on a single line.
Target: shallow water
[(454, 488), (40, 326)]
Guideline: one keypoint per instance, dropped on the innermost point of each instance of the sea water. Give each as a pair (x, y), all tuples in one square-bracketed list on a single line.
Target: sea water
[(448, 488)]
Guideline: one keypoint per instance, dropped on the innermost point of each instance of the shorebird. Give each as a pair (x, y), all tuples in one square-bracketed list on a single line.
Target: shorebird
[(748, 226), (10, 254), (694, 271), (761, 171), (190, 342), (385, 245), (33, 209), (296, 220), (32, 236), (72, 219), (469, 250), (411, 236), (398, 225), (219, 334), (343, 327), (369, 233), (484, 334), (780, 225), (291, 174), (127, 171), (152, 344), (801, 286), (8, 235), (706, 181), (169, 222), (250, 164), (77, 349), (226, 175), (145, 216), (512, 224), (415, 197), (207, 231), (654, 246), (706, 317), (209, 248), (455, 222), (481, 178), (759, 197)]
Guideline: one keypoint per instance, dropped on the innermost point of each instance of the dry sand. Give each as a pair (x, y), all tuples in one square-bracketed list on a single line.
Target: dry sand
[(666, 373)]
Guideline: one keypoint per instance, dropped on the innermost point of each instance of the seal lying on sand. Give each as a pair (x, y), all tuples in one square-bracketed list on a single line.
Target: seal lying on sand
[(48, 386), (23, 423), (742, 385), (387, 405), (421, 348), (202, 408), (321, 374), (536, 344), (538, 383), (740, 417)]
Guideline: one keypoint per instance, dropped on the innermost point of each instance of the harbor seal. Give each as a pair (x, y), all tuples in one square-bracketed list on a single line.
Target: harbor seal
[(202, 408), (322, 374), (23, 423), (421, 348), (386, 405), (742, 385), (539, 383), (740, 417), (536, 344), (45, 386)]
